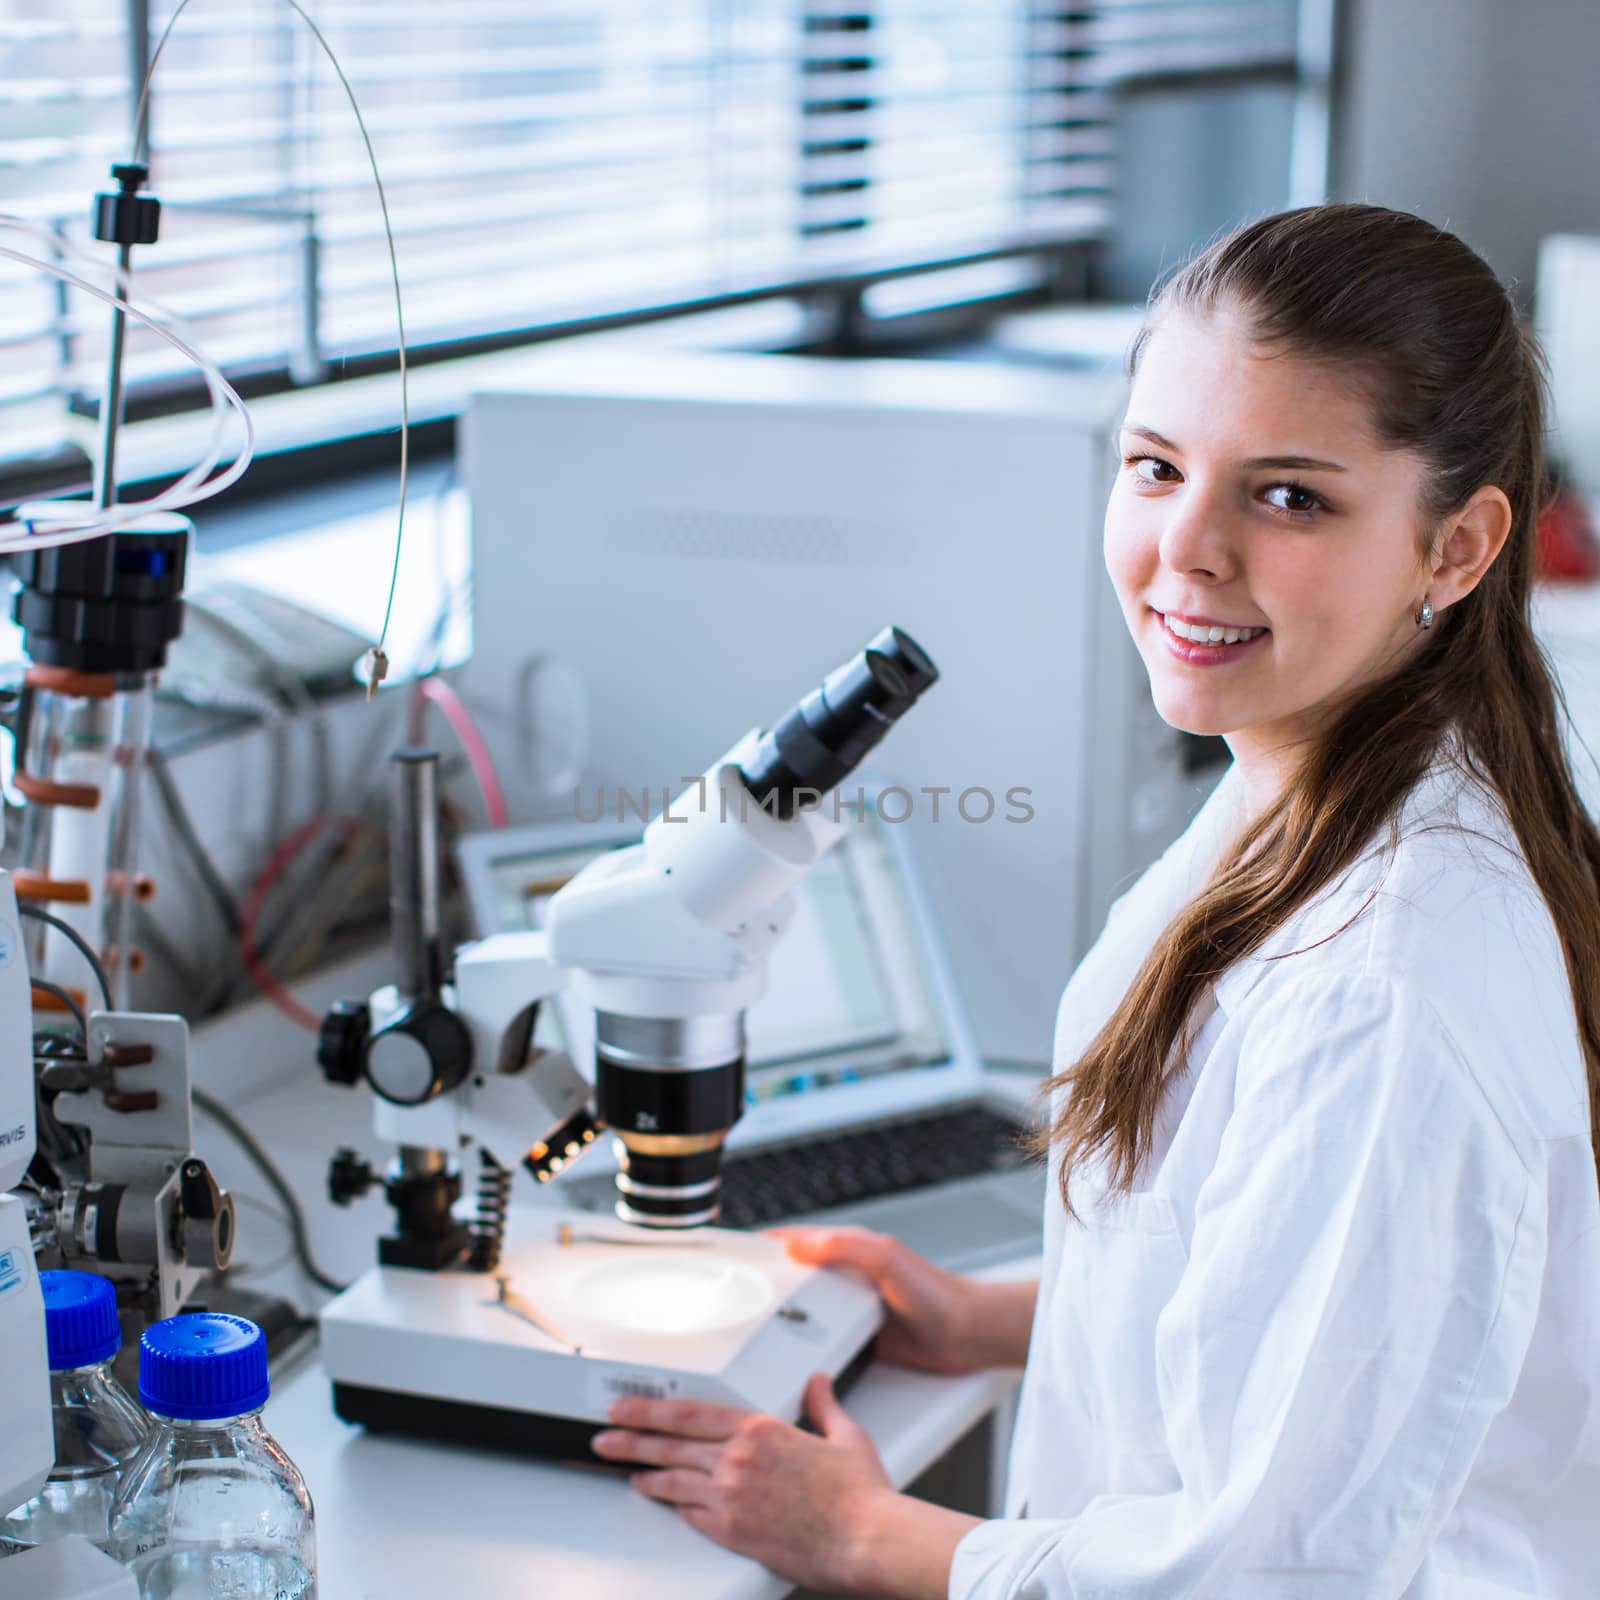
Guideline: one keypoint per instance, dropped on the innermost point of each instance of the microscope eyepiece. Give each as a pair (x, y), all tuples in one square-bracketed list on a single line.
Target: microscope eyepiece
[(824, 738), (914, 663)]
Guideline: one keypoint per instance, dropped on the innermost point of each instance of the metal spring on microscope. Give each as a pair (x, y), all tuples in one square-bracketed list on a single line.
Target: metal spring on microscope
[(488, 1226)]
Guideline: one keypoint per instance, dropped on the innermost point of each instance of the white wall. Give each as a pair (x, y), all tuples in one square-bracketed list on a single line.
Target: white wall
[(1481, 115)]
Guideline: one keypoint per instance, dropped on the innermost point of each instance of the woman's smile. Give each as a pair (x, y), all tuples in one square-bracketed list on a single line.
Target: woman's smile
[(1204, 643)]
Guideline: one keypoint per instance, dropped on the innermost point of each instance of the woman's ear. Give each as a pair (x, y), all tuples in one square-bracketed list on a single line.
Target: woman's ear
[(1473, 537)]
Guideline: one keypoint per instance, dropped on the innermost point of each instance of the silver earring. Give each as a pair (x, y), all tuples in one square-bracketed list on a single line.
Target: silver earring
[(1425, 615)]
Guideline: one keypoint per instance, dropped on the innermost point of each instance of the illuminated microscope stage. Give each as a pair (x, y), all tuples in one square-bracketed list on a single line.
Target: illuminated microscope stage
[(529, 1358)]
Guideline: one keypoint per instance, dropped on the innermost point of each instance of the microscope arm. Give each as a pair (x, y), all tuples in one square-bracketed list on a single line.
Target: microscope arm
[(518, 1103)]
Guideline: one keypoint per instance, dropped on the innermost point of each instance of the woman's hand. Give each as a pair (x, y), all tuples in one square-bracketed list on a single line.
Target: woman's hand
[(817, 1509), (935, 1320)]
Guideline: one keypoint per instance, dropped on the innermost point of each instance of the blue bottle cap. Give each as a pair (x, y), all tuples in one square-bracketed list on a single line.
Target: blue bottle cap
[(206, 1365), (80, 1319)]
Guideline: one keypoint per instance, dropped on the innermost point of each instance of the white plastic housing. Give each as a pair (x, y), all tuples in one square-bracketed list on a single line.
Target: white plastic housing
[(681, 924), (445, 1335), (505, 1106), (27, 1440), (16, 1045)]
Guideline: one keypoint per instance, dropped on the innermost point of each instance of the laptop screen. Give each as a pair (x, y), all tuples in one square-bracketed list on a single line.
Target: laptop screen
[(849, 996)]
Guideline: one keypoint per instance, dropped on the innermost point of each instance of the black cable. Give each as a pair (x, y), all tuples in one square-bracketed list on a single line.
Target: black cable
[(65, 999), (68, 932), (183, 825), (268, 1169)]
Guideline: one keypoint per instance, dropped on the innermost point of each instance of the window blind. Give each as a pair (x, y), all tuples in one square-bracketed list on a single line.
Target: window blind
[(559, 162)]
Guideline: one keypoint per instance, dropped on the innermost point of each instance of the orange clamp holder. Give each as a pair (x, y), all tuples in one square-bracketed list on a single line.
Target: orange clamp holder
[(42, 792), (36, 886), (144, 887), (63, 680), (128, 1100)]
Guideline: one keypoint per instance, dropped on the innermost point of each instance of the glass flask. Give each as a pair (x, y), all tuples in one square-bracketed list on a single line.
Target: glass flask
[(212, 1506), (98, 1427)]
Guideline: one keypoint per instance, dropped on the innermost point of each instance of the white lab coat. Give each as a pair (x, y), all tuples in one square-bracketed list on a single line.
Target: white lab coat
[(1343, 1341)]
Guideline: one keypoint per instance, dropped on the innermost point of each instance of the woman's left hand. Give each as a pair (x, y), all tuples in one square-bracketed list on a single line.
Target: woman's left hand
[(799, 1503)]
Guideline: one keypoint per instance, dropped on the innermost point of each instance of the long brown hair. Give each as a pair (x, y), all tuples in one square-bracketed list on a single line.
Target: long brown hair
[(1423, 324)]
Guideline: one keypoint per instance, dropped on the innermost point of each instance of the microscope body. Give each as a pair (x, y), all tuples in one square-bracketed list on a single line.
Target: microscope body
[(580, 1310), (667, 942)]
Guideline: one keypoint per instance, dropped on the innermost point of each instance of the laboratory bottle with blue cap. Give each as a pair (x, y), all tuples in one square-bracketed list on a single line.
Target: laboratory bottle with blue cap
[(98, 1427), (211, 1505)]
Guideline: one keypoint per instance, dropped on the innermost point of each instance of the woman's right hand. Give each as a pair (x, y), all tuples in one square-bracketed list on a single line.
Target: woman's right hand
[(935, 1320)]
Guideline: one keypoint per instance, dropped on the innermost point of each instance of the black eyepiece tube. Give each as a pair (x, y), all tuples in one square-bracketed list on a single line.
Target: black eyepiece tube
[(823, 739)]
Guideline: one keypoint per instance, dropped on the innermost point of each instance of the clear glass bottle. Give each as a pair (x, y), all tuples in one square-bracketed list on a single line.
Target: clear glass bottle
[(211, 1505), (98, 1427)]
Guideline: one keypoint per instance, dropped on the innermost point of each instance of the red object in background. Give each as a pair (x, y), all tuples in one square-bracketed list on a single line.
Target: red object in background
[(1567, 548)]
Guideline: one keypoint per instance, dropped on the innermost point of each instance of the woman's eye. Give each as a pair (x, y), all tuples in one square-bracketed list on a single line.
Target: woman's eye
[(1292, 500), (1297, 501), (1155, 466)]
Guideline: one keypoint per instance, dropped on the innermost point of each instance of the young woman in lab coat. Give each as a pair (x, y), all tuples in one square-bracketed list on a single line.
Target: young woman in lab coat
[(1321, 1305)]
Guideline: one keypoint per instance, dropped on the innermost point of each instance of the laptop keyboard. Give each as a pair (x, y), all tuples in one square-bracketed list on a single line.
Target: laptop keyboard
[(788, 1180)]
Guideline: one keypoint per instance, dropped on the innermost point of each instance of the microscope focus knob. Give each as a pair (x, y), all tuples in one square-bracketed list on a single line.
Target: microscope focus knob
[(422, 1053), (342, 1041), (350, 1175)]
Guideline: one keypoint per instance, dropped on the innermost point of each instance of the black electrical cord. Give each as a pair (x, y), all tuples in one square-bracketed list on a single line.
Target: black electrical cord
[(71, 934), (269, 1170), (66, 999)]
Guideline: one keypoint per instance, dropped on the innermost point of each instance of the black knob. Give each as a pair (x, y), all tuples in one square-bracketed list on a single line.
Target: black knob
[(127, 217), (349, 1176), (342, 1041), (423, 1053)]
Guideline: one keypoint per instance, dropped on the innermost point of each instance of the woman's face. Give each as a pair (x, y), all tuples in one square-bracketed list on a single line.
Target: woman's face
[(1253, 498)]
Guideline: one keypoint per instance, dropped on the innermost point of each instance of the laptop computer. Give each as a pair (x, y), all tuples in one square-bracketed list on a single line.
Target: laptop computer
[(866, 1101)]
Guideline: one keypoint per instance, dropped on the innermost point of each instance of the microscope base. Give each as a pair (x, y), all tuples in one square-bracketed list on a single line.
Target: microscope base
[(531, 1361), (493, 1427)]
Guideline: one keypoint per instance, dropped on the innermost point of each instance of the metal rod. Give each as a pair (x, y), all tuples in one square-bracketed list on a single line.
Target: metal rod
[(414, 871), (138, 15), (105, 468), (419, 1161), (308, 366), (138, 63)]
